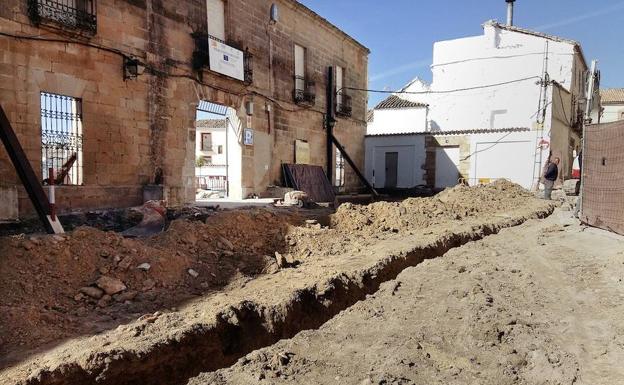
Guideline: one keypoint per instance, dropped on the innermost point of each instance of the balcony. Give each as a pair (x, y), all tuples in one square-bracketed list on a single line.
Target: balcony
[(77, 15), (305, 91), (234, 54), (343, 105)]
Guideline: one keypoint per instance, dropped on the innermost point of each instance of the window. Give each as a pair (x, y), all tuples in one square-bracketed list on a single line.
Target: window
[(300, 58), (208, 160), (220, 149), (340, 164), (206, 141), (216, 18), (74, 14), (339, 85), (305, 90), (61, 138)]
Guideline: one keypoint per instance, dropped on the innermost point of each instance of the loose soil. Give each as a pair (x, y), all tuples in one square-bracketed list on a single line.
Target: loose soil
[(42, 276), (537, 304), (255, 296)]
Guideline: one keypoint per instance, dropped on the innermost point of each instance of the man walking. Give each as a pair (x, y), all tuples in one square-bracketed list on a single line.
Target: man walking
[(550, 176)]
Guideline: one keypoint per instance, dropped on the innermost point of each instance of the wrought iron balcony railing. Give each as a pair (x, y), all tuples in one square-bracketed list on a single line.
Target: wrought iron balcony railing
[(343, 104), (305, 91), (201, 55), (73, 14)]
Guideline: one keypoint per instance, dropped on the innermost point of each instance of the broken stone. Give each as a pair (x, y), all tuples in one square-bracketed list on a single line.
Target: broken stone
[(104, 301), (311, 221), (58, 238), (144, 266), (126, 296), (193, 273), (148, 284), (27, 245), (104, 254), (226, 243), (78, 297), (92, 292), (281, 261), (103, 270), (110, 285), (125, 263)]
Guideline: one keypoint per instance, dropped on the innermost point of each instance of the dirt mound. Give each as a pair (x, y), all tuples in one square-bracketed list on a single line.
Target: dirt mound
[(86, 281), (414, 213)]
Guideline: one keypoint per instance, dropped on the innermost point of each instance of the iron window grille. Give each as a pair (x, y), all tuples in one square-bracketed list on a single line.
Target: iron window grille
[(201, 55), (61, 138), (305, 91), (343, 105), (72, 14), (340, 170)]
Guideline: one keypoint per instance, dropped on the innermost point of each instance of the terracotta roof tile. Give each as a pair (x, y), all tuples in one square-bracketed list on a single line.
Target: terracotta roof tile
[(612, 95)]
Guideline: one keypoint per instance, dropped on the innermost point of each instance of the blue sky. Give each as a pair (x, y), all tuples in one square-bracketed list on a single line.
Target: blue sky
[(401, 33)]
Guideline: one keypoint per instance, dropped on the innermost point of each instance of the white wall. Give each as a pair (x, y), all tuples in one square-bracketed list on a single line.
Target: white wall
[(611, 113), (497, 56), (411, 149), (398, 121), (503, 155)]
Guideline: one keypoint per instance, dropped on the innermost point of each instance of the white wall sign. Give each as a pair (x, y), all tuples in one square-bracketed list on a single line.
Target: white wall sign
[(226, 60), (248, 137)]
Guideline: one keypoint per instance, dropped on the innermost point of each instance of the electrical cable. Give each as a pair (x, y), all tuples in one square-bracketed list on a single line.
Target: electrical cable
[(441, 91)]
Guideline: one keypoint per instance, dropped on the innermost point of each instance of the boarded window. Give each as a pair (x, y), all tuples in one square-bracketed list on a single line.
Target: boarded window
[(216, 18), (61, 138)]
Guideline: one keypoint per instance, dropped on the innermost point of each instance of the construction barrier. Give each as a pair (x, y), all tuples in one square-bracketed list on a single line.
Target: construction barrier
[(603, 177)]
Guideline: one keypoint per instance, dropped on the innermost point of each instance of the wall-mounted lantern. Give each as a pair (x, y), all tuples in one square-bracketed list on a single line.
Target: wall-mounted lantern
[(132, 68)]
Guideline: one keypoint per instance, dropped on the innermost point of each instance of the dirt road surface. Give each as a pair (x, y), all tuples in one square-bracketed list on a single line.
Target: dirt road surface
[(536, 304)]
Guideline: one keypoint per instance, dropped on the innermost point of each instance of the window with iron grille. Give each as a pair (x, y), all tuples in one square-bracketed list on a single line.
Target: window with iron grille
[(340, 170), (73, 14), (61, 138)]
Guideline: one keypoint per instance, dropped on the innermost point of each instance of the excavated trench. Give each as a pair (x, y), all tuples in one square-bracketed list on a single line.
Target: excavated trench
[(248, 326)]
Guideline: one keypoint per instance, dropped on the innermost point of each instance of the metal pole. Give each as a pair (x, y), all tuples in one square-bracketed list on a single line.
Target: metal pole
[(52, 193), (330, 121), (589, 95)]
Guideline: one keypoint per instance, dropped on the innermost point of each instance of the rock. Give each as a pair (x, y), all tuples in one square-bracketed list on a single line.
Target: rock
[(27, 245), (281, 261), (193, 273), (144, 266), (104, 254), (126, 296), (104, 301), (78, 297), (226, 243), (110, 285), (92, 292), (125, 263), (148, 284), (311, 221), (58, 238), (103, 270)]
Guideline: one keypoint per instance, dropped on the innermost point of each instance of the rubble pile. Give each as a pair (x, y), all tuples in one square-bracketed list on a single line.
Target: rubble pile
[(416, 213), (88, 280)]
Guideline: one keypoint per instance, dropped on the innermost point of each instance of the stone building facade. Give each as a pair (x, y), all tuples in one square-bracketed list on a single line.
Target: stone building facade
[(132, 72)]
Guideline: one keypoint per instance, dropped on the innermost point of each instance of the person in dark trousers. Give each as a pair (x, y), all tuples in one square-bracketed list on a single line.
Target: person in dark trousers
[(550, 176)]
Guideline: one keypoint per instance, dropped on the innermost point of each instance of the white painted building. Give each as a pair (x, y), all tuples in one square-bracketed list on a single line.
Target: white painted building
[(484, 107), (211, 154), (612, 103)]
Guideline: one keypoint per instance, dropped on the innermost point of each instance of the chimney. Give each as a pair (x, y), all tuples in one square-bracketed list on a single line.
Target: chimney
[(510, 11)]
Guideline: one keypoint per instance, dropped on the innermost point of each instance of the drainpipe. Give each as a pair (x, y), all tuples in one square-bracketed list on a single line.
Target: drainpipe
[(510, 11)]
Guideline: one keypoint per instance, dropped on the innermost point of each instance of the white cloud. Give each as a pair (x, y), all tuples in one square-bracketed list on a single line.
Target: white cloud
[(576, 19), (401, 69)]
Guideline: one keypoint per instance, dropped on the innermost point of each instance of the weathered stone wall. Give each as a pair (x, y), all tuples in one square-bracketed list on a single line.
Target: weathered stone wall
[(133, 127)]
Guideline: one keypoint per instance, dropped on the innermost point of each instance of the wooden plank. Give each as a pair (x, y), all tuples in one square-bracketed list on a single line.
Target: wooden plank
[(27, 175)]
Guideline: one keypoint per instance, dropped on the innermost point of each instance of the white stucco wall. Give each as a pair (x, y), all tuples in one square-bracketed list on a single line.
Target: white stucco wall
[(398, 121), (497, 56), (611, 113), (503, 155), (411, 152)]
